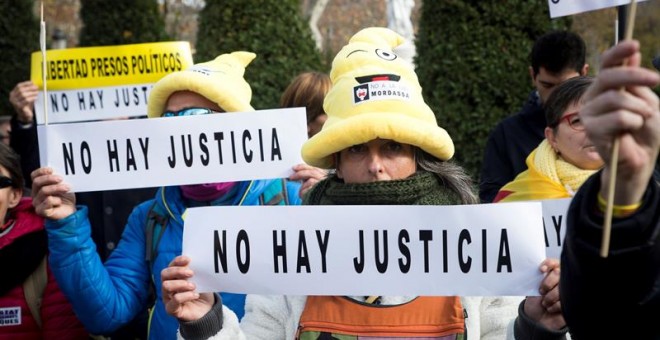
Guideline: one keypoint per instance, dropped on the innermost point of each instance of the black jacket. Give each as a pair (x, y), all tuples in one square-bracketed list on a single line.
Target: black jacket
[(508, 146), (617, 297), (23, 140)]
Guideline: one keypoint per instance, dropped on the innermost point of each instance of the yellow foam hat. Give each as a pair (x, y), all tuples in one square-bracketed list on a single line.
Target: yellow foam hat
[(220, 81), (375, 94)]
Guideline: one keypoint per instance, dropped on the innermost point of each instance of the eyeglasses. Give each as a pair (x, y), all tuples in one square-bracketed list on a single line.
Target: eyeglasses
[(5, 182), (191, 111), (573, 121)]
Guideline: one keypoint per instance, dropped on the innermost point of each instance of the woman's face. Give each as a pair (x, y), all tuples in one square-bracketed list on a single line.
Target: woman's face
[(9, 196), (571, 142), (377, 160)]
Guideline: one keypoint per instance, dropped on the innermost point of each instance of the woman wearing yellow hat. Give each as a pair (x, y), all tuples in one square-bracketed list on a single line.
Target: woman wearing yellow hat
[(108, 295), (387, 149)]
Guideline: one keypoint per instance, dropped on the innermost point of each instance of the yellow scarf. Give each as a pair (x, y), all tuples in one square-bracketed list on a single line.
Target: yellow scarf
[(547, 176)]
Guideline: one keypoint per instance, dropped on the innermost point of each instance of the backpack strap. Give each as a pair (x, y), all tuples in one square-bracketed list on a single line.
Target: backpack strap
[(155, 226), (275, 194), (285, 191), (154, 230), (33, 289)]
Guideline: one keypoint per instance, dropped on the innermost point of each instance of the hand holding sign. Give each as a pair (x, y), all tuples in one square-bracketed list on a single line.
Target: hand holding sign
[(179, 295), (614, 159), (52, 198), (633, 116), (546, 309), (308, 175), (22, 98)]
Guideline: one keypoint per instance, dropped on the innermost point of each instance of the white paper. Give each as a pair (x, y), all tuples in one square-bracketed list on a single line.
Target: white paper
[(560, 8), (322, 246), (94, 104), (554, 223), (137, 153)]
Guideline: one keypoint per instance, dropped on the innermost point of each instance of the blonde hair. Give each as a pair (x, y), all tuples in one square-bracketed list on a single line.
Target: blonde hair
[(308, 89)]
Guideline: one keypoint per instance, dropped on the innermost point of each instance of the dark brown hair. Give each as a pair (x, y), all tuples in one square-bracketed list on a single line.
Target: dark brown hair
[(558, 50), (564, 95)]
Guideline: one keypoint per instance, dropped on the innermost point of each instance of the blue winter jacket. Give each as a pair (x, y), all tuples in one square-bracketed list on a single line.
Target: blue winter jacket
[(107, 296)]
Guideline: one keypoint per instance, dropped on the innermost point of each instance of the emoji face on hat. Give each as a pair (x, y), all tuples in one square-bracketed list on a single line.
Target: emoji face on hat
[(375, 94)]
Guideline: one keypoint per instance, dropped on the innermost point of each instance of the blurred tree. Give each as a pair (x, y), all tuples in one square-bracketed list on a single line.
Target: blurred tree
[(181, 19), (597, 29), (121, 22), (647, 30), (19, 37), (472, 61), (273, 29)]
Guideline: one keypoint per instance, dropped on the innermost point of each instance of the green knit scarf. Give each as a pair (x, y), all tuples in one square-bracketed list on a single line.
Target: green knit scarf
[(422, 188)]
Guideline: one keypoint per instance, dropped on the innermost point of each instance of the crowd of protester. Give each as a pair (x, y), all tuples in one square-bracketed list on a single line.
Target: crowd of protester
[(110, 263)]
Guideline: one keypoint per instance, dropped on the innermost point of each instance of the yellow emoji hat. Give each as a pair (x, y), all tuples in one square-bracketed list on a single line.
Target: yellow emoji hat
[(220, 81), (374, 95)]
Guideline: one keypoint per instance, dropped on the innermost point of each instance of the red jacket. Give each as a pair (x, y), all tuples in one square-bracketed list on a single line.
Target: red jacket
[(23, 244)]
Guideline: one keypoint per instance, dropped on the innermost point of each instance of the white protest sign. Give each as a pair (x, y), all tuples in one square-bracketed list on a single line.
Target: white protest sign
[(470, 250), (94, 104), (136, 153), (554, 225), (92, 83), (560, 8)]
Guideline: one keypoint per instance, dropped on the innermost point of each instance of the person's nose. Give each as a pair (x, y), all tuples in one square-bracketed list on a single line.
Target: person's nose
[(375, 164)]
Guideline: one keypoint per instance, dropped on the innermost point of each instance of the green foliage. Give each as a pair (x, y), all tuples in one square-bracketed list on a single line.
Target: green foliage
[(472, 61), (19, 37), (646, 31), (273, 29), (120, 22)]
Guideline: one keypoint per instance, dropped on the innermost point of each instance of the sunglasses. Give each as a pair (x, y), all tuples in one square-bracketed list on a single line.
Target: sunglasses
[(191, 111), (573, 121), (5, 182)]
